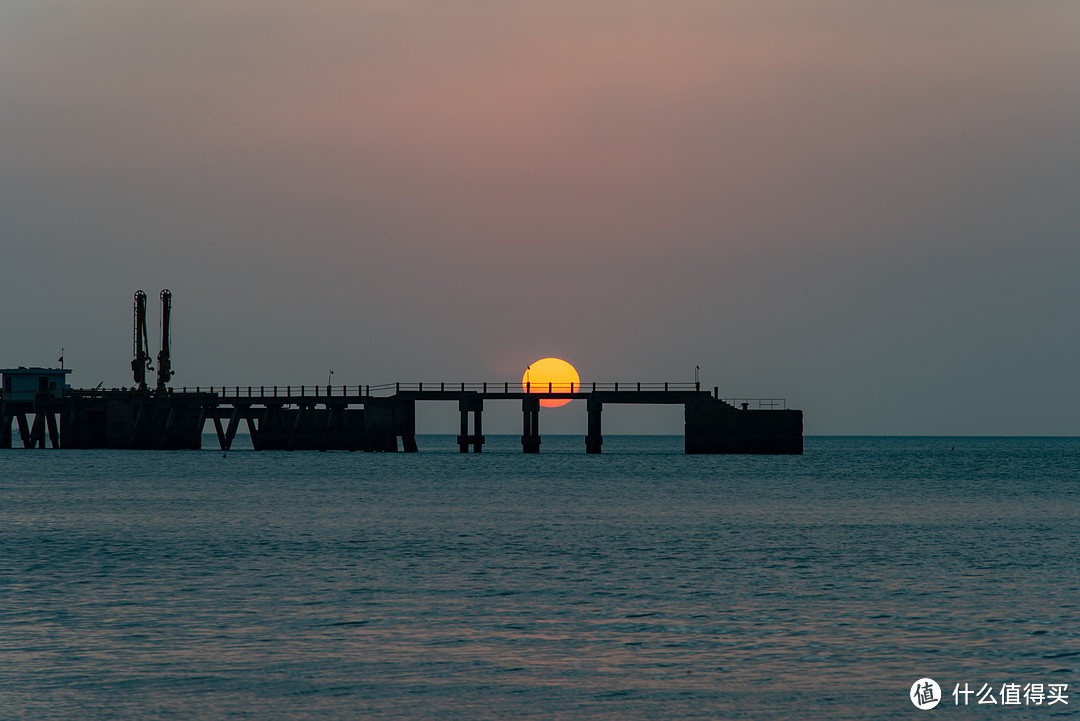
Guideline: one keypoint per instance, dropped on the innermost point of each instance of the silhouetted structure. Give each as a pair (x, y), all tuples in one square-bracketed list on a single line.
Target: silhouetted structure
[(165, 371), (20, 392), (140, 346), (360, 420)]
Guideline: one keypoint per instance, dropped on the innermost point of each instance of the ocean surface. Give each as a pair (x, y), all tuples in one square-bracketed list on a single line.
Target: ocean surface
[(638, 584)]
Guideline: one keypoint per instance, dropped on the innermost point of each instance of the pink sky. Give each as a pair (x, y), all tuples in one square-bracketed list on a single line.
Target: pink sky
[(868, 208)]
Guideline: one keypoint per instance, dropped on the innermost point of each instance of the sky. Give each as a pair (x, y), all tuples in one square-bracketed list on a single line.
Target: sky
[(869, 209)]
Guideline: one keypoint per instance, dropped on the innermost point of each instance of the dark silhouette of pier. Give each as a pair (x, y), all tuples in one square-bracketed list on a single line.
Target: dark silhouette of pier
[(353, 418), (373, 418)]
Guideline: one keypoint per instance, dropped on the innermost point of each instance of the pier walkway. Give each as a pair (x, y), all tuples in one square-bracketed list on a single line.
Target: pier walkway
[(376, 417)]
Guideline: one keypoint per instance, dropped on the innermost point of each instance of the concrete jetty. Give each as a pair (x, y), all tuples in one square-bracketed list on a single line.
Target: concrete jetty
[(369, 418)]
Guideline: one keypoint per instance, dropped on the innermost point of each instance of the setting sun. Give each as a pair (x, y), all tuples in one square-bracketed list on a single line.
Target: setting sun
[(553, 373)]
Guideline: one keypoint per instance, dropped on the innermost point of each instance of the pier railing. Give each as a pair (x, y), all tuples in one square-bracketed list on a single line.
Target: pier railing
[(761, 404), (530, 387), (388, 389), (489, 388)]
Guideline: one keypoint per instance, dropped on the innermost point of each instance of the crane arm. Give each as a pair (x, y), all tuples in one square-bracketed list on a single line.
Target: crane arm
[(165, 371), (140, 345)]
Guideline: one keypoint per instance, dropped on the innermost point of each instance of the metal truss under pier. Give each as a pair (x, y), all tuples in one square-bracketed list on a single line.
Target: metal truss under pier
[(373, 418)]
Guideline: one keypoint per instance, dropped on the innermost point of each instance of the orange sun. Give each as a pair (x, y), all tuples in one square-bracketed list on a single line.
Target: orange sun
[(561, 376)]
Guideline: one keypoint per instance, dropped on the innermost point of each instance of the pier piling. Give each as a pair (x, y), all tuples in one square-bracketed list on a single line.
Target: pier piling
[(595, 439), (471, 406), (530, 430)]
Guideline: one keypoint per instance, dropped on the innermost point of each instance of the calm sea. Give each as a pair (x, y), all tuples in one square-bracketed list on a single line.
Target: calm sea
[(638, 584)]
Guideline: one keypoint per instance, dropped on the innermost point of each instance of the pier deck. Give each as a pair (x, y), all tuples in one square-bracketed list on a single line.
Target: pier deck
[(375, 418)]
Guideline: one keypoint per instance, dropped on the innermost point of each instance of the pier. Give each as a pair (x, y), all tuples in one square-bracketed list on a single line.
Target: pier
[(371, 418), (349, 418)]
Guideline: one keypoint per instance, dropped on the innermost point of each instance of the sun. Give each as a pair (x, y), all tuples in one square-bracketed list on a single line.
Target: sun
[(562, 376)]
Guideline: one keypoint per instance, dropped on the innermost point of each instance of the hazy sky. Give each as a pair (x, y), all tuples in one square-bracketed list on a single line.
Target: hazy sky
[(871, 209)]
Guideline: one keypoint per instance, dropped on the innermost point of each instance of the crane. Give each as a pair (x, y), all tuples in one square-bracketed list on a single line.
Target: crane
[(165, 371), (139, 345)]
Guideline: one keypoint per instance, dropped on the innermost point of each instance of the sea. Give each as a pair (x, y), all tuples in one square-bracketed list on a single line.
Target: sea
[(641, 583)]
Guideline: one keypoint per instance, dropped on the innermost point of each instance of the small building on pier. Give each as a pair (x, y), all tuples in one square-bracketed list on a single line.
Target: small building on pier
[(23, 384)]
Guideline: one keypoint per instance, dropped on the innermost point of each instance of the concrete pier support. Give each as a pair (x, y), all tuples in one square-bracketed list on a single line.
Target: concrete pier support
[(475, 406), (405, 412), (253, 428), (220, 434), (54, 430), (37, 432), (230, 432), (595, 439), (713, 426), (5, 430), (530, 430), (24, 429), (463, 433)]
